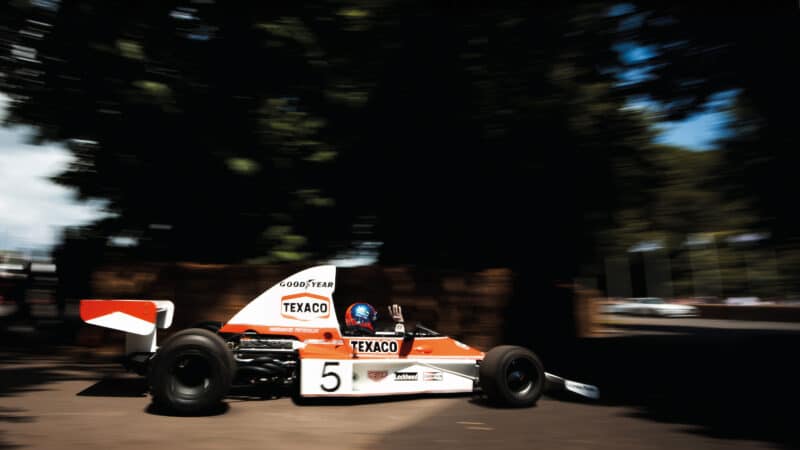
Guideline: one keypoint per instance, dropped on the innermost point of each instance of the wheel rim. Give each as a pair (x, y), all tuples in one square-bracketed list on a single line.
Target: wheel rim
[(521, 376), (191, 375)]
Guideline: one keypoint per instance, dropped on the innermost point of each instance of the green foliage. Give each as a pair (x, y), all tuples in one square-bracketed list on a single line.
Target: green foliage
[(130, 49), (244, 166)]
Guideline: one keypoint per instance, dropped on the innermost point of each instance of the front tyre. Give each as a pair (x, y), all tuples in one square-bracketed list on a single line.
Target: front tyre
[(512, 376), (192, 372)]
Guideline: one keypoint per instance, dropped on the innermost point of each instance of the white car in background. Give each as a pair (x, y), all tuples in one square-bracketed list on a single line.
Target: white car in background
[(652, 306)]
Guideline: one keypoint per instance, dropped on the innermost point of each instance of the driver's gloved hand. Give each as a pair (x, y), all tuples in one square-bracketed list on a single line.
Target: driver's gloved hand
[(397, 315)]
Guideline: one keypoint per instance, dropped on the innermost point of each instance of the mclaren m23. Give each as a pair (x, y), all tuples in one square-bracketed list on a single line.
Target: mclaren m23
[(289, 337)]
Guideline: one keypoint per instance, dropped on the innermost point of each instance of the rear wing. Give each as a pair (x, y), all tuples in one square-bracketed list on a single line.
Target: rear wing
[(139, 319)]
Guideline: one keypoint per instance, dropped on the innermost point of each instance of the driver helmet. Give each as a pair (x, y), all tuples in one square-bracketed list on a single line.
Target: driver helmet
[(360, 317)]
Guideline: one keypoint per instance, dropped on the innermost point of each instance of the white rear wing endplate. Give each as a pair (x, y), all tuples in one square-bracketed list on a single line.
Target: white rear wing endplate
[(139, 319)]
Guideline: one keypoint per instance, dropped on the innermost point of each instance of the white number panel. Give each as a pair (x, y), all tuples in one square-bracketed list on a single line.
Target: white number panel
[(326, 377)]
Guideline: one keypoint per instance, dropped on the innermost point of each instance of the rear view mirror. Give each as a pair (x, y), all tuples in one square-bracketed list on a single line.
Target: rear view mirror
[(408, 335)]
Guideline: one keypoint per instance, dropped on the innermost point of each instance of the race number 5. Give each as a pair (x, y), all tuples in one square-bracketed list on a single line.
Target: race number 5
[(336, 382)]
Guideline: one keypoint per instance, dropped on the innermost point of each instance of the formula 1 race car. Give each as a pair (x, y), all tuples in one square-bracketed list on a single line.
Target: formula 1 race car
[(289, 336)]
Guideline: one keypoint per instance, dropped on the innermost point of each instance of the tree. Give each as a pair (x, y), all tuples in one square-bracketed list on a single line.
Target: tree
[(208, 120), (699, 50), (702, 49)]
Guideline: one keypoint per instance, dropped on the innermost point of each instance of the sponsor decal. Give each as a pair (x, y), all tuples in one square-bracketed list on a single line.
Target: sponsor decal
[(377, 375), (308, 284), (306, 330), (293, 330), (405, 376), (305, 306), (432, 376), (373, 346), (281, 329)]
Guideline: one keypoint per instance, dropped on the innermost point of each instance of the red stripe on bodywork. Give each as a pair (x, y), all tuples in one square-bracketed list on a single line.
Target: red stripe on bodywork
[(141, 309), (305, 294)]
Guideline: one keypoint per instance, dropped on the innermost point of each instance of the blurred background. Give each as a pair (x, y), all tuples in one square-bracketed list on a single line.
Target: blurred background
[(602, 181)]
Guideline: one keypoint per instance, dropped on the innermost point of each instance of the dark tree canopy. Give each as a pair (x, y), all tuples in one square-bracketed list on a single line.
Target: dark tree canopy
[(452, 135)]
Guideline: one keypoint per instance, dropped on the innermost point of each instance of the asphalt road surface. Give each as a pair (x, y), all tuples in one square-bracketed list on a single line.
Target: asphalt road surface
[(63, 399)]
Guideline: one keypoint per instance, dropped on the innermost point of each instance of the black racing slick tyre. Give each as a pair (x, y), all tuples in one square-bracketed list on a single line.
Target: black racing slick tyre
[(512, 376), (192, 372), (209, 325)]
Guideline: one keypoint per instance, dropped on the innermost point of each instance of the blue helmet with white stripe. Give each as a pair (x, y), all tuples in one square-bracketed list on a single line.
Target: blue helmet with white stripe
[(361, 317)]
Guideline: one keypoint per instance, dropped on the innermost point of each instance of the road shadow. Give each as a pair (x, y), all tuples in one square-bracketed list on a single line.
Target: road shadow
[(22, 378), (13, 415), (34, 355), (351, 401), (159, 410), (117, 387), (4, 445), (731, 384)]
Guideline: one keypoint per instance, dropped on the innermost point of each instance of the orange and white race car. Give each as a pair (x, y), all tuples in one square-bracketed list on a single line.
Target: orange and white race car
[(289, 337)]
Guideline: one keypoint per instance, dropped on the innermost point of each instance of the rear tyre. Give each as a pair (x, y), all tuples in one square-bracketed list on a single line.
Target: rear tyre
[(192, 372), (512, 376), (209, 325)]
